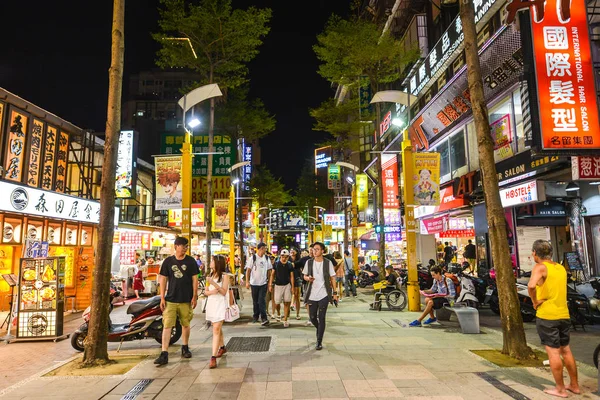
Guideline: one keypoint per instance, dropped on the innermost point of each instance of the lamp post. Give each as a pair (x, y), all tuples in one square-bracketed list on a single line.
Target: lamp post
[(232, 198), (354, 211)]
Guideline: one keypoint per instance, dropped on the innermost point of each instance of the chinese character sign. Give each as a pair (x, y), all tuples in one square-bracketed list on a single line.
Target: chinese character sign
[(125, 173), (335, 220), (389, 166), (247, 168), (15, 145), (334, 180), (49, 157), (61, 161), (168, 182), (362, 192), (585, 168), (35, 153), (565, 77), (426, 179), (197, 216)]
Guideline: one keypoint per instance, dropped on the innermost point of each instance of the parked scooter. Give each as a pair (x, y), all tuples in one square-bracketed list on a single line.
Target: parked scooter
[(146, 323), (367, 277), (527, 311)]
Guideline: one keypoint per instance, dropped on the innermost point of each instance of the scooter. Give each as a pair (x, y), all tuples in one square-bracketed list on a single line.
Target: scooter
[(146, 323), (527, 311), (468, 291)]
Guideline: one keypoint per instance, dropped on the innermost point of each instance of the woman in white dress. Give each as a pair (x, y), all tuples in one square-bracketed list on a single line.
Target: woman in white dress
[(218, 285)]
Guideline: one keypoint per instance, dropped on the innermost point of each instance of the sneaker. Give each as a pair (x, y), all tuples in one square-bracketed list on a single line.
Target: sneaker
[(278, 318), (213, 363), (185, 352), (319, 346), (415, 323), (221, 352), (286, 324), (298, 317), (162, 359), (265, 322), (308, 323), (293, 308), (254, 321), (429, 321)]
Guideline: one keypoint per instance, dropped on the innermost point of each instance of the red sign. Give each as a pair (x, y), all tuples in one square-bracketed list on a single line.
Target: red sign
[(448, 201), (390, 181), (585, 168), (385, 124), (434, 225), (565, 76), (458, 233)]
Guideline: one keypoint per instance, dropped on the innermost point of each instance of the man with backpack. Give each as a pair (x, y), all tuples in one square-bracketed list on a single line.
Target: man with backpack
[(320, 275), (448, 253), (281, 283), (441, 290), (349, 270), (257, 269)]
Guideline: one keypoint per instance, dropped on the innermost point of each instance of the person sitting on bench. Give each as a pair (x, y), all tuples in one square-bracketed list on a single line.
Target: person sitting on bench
[(436, 297)]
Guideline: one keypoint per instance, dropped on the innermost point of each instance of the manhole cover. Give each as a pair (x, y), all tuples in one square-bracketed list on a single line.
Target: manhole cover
[(248, 344)]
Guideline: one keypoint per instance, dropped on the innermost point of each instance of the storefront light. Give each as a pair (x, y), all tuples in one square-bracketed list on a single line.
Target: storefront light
[(572, 187), (595, 183)]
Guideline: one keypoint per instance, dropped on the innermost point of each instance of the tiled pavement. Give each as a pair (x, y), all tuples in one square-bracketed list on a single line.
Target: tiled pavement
[(366, 355)]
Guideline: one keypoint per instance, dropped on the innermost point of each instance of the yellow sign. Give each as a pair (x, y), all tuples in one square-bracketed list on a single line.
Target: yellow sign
[(220, 214), (426, 179), (197, 216), (69, 254), (327, 232), (362, 192)]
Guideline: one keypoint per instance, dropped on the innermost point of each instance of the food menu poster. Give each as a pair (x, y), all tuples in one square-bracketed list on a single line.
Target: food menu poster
[(130, 243), (39, 284)]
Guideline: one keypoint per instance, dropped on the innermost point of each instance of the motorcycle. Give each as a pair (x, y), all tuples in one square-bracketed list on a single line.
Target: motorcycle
[(423, 274), (528, 313), (364, 279), (146, 323)]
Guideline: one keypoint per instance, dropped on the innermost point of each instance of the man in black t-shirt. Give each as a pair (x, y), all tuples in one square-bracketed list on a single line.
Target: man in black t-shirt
[(178, 282), (283, 276), (448, 253)]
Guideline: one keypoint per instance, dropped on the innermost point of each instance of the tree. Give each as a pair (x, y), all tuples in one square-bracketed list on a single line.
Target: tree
[(226, 41), (268, 191), (96, 350), (514, 340), (311, 190), (352, 49)]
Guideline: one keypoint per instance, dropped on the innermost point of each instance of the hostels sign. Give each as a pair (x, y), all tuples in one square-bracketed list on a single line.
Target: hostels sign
[(564, 75)]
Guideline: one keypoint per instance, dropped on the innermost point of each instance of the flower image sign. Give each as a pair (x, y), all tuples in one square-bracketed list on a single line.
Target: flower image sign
[(426, 179), (168, 182)]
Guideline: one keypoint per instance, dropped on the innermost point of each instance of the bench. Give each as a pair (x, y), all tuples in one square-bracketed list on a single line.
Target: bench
[(468, 317)]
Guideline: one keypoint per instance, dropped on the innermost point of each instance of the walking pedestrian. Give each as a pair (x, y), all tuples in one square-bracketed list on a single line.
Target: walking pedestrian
[(470, 254), (281, 283), (547, 288), (448, 253), (295, 259), (302, 262), (216, 304), (257, 269), (138, 280), (340, 272), (349, 268), (178, 301), (441, 291), (320, 275)]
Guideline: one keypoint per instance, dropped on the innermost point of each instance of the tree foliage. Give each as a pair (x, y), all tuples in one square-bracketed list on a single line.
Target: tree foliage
[(243, 117), (268, 191), (224, 39), (352, 48), (311, 190)]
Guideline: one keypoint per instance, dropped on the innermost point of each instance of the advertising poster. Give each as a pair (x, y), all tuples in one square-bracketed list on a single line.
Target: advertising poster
[(125, 175), (389, 166), (334, 177), (567, 98), (362, 192), (501, 135), (426, 179), (168, 182), (220, 215)]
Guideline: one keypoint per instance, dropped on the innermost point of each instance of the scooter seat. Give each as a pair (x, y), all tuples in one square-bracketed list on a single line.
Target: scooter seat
[(142, 305)]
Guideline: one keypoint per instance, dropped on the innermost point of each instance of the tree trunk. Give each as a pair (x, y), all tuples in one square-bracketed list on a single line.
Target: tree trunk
[(380, 192), (209, 183), (96, 351), (515, 343)]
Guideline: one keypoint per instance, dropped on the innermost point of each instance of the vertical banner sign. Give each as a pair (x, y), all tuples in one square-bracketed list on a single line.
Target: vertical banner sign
[(334, 179), (565, 76), (322, 158), (61, 162), (220, 215), (124, 180), (49, 158), (247, 168), (426, 179), (35, 153), (15, 149), (389, 166), (168, 178), (362, 192)]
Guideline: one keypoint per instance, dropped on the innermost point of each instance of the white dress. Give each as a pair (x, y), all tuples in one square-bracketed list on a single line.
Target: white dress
[(216, 305)]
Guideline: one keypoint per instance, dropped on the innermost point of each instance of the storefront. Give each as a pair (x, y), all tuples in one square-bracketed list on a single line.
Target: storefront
[(586, 171)]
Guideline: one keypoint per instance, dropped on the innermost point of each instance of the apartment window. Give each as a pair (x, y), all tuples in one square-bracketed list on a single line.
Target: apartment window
[(458, 154)]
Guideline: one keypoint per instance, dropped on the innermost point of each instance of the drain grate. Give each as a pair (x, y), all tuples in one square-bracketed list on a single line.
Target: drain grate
[(254, 344), (501, 386), (137, 389)]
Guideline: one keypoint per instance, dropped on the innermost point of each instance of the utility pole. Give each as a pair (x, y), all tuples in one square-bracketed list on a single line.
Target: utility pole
[(414, 296)]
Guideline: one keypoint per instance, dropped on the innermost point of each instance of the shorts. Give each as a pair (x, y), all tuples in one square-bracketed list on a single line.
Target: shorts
[(282, 294), (339, 279), (553, 333), (299, 283), (177, 311), (439, 302)]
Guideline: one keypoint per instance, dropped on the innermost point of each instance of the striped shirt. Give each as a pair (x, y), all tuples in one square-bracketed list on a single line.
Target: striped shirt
[(447, 289)]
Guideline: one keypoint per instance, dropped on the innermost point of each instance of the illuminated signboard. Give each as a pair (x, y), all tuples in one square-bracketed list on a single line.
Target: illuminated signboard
[(125, 173), (247, 168), (322, 158), (390, 181), (335, 220), (528, 192)]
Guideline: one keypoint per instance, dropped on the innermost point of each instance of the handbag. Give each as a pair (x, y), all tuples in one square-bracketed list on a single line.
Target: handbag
[(232, 312)]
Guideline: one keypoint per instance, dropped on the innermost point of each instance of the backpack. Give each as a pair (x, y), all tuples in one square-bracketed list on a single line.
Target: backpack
[(455, 281)]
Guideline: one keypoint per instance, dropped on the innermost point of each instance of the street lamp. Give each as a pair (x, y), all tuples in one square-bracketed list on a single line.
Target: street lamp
[(232, 198), (354, 210)]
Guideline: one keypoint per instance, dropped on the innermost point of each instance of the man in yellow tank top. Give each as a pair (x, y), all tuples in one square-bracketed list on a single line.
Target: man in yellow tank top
[(548, 290)]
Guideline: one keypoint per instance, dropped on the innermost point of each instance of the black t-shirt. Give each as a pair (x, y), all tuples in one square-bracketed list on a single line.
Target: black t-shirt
[(282, 273), (449, 252), (179, 274), (469, 251)]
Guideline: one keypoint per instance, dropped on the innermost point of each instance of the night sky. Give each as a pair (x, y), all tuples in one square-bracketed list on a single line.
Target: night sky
[(57, 54)]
